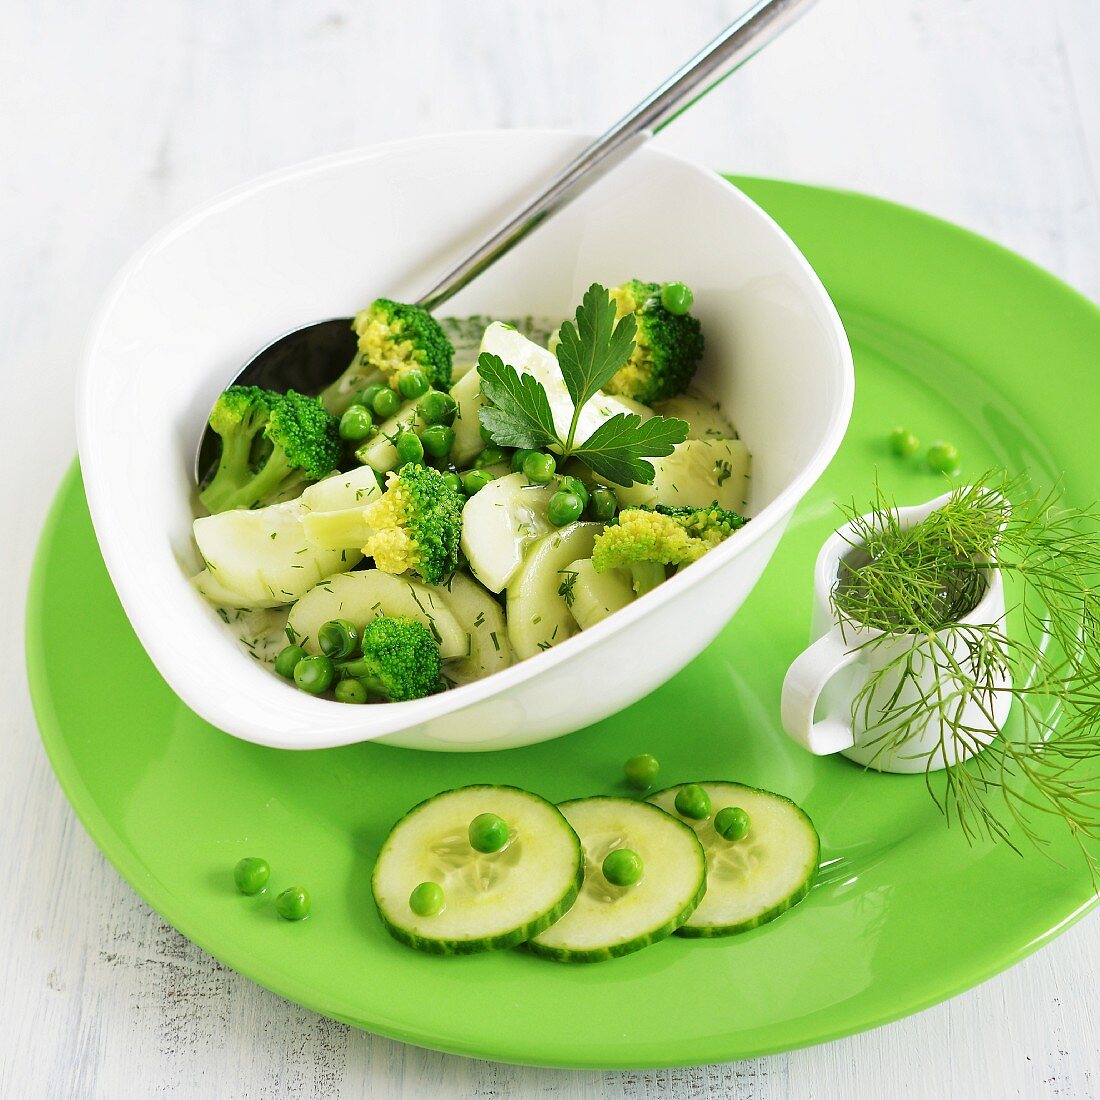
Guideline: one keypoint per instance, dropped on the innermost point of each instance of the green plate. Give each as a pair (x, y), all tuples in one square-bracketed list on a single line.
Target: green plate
[(952, 335)]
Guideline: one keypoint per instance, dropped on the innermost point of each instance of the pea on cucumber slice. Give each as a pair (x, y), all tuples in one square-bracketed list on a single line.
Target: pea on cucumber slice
[(607, 920), (752, 880), (491, 900)]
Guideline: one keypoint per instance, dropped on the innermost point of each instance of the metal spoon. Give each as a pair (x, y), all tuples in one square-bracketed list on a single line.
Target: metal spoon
[(308, 358)]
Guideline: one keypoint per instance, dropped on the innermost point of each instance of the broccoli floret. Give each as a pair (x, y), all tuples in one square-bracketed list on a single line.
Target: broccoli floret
[(711, 524), (400, 659), (645, 540), (393, 338), (667, 346), (272, 445), (416, 524)]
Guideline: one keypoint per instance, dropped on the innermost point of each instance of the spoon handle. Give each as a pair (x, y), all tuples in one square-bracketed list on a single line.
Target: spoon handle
[(740, 41)]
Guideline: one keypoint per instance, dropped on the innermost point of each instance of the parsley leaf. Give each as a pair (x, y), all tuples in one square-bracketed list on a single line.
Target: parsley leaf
[(618, 448), (520, 413), (591, 352)]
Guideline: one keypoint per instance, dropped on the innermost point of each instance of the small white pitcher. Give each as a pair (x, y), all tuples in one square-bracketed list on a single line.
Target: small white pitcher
[(824, 680)]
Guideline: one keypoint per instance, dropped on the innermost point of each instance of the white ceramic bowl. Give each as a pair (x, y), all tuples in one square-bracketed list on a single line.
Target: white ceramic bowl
[(321, 239)]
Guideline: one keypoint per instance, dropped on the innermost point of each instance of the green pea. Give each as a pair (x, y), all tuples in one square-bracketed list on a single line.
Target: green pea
[(409, 448), (386, 403), (473, 481), (732, 823), (486, 435), (314, 674), (944, 458), (602, 503), (366, 396), (338, 638), (438, 440), (288, 657), (641, 771), (569, 484), (453, 480), (622, 867), (413, 383), (904, 443), (293, 903), (539, 467), (426, 899), (356, 424), (488, 833), (438, 408), (350, 691), (692, 801), (489, 456), (677, 298), (564, 508), (518, 458), (251, 875)]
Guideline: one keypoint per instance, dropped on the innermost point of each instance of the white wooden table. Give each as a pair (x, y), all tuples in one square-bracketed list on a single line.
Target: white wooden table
[(116, 115)]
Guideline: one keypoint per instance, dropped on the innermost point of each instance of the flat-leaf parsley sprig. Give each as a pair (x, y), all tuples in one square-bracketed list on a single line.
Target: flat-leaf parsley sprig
[(589, 353)]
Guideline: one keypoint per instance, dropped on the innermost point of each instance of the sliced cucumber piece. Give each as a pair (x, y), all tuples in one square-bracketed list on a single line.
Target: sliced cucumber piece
[(369, 593), (592, 596), (538, 617), (490, 900), (753, 880), (705, 420), (467, 427), (379, 452), (698, 472), (607, 921), (498, 523), (483, 620), (261, 557)]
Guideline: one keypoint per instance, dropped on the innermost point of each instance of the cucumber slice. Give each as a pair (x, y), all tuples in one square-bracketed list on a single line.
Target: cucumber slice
[(593, 596), (705, 420), (467, 426), (363, 596), (498, 523), (261, 557), (483, 620), (753, 880), (379, 452), (607, 921), (491, 900), (697, 472), (538, 617)]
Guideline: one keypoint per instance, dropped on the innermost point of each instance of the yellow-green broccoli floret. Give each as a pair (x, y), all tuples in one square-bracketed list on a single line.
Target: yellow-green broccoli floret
[(415, 525), (272, 444), (645, 540), (400, 659), (667, 346), (394, 338)]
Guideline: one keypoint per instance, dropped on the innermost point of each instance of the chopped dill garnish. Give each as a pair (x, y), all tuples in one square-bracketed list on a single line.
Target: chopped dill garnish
[(565, 589)]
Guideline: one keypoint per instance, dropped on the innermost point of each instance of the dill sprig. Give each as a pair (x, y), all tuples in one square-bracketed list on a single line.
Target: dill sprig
[(921, 582)]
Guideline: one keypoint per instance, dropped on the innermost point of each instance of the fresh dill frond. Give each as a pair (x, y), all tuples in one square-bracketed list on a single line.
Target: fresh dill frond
[(1043, 659)]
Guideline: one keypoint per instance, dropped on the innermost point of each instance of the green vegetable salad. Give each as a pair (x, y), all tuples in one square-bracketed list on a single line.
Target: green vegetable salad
[(424, 522)]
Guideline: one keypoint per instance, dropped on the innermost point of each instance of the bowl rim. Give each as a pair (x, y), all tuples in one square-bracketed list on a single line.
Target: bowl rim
[(329, 723)]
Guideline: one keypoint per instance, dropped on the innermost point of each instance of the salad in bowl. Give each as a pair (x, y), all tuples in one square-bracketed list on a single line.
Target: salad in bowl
[(431, 519), (211, 586)]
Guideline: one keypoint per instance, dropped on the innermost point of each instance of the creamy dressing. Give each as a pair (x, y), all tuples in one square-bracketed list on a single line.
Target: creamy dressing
[(260, 633)]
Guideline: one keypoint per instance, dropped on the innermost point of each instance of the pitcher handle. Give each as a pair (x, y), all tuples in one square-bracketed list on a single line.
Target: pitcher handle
[(812, 669)]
